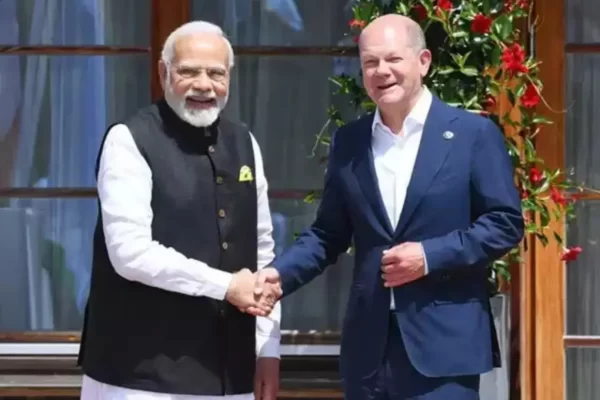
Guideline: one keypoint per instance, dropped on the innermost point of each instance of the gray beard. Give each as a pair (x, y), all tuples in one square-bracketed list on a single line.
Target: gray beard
[(197, 118)]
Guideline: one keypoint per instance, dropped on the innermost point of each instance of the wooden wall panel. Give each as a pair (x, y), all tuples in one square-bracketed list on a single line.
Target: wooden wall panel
[(548, 271)]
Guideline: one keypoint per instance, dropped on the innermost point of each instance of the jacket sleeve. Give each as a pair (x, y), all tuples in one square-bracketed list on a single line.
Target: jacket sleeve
[(328, 236), (498, 225)]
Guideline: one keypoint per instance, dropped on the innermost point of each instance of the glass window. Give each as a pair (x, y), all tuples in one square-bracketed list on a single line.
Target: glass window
[(55, 110), (45, 249), (582, 370), (321, 304), (75, 22), (581, 148), (583, 275), (582, 142), (284, 101), (278, 22), (582, 21)]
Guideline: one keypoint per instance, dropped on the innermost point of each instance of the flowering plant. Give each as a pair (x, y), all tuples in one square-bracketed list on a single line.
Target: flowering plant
[(480, 64)]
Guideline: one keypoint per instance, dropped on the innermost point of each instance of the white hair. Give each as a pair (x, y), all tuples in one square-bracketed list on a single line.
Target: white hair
[(417, 37), (191, 28)]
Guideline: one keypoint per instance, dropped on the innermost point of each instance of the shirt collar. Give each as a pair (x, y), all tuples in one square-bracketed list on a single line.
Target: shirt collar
[(417, 115)]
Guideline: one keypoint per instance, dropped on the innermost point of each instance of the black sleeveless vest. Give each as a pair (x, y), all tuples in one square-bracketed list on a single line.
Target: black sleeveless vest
[(144, 338)]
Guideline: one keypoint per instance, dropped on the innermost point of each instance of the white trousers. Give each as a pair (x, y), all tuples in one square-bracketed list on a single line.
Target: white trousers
[(94, 390)]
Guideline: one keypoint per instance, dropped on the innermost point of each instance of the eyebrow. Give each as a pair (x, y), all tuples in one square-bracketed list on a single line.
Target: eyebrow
[(196, 66)]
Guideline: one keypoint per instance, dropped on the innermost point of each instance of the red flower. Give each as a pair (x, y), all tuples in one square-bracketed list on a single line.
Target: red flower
[(420, 12), (443, 6), (524, 194), (535, 175), (558, 197), (481, 24), (357, 23), (531, 97), (571, 253), (490, 101), (513, 59)]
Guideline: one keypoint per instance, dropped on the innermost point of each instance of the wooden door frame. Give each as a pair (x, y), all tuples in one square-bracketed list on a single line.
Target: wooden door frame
[(543, 285)]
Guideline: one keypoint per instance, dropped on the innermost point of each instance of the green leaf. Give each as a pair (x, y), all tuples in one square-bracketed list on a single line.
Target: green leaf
[(459, 34), (529, 150), (310, 197), (511, 97), (495, 56), (445, 71), (543, 238), (470, 71), (486, 7), (555, 174), (531, 228), (403, 8), (512, 148), (558, 238), (471, 102), (494, 88), (544, 187), (503, 27), (520, 89), (541, 120), (544, 217), (557, 214)]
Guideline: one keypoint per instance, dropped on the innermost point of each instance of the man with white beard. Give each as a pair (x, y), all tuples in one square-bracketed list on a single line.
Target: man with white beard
[(182, 207)]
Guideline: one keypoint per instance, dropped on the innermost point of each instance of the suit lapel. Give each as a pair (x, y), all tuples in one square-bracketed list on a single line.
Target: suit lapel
[(432, 154), (364, 170)]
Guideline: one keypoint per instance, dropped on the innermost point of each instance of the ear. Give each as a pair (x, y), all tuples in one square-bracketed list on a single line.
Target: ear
[(162, 73), (424, 61)]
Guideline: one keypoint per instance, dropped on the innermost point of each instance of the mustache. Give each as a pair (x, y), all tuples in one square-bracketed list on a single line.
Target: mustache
[(201, 95)]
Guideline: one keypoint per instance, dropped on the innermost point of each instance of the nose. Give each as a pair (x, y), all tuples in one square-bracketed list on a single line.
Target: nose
[(383, 68), (202, 82)]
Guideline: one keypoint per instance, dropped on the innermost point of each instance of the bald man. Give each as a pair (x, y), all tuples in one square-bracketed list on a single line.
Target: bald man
[(425, 192), (183, 208)]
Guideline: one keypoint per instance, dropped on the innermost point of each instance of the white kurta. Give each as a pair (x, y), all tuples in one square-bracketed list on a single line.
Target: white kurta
[(125, 189)]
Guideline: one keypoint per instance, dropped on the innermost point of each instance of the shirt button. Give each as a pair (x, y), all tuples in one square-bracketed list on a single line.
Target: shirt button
[(222, 213), (211, 149), (224, 245), (219, 180)]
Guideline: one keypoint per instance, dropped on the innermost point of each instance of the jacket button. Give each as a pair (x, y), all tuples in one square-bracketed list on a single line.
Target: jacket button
[(445, 277), (211, 149), (219, 180), (222, 213), (224, 245)]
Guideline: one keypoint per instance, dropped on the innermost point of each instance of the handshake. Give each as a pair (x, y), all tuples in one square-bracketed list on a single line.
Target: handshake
[(255, 294)]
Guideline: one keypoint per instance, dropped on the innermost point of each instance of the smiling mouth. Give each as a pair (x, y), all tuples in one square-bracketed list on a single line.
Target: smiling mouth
[(384, 87), (201, 102)]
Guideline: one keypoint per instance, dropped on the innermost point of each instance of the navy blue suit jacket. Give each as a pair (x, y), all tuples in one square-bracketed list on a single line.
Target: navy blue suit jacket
[(461, 204)]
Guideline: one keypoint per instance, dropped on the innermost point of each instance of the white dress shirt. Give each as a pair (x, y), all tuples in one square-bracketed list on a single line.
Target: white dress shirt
[(124, 189), (394, 155)]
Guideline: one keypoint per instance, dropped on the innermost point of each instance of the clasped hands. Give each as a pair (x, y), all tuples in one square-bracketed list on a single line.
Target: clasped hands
[(255, 294), (402, 264)]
